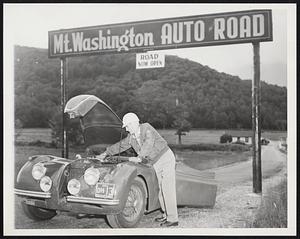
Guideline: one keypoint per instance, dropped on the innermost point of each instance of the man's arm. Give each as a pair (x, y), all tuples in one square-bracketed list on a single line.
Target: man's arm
[(147, 147), (119, 147)]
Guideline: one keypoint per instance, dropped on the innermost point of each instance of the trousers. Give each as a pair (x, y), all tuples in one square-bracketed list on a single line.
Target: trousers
[(165, 172)]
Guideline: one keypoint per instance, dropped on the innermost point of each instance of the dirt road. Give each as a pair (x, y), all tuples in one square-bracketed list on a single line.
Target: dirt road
[(272, 162), (235, 203)]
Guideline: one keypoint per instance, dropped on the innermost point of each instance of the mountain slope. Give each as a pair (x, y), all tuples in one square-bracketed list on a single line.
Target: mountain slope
[(205, 97)]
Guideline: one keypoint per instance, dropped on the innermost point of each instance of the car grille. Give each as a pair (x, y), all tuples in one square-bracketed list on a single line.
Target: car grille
[(76, 172)]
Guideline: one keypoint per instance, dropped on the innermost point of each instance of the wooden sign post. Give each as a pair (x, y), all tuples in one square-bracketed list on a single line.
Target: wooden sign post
[(63, 77)]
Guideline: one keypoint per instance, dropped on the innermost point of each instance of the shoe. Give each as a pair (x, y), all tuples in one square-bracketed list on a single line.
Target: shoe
[(169, 224), (160, 219)]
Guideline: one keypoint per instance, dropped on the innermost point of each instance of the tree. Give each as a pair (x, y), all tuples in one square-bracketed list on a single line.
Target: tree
[(157, 104), (181, 123)]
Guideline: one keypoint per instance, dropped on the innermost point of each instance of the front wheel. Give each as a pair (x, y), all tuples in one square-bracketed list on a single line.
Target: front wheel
[(134, 208), (36, 213)]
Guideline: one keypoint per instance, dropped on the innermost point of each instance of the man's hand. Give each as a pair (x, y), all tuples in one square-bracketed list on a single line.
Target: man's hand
[(78, 156), (101, 156), (135, 159)]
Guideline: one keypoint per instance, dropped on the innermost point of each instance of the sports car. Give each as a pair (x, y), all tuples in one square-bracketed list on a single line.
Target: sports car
[(121, 190)]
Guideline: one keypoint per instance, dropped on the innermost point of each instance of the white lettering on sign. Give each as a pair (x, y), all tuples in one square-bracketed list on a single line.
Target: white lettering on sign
[(61, 43), (103, 41), (234, 28), (58, 43), (150, 60), (180, 32)]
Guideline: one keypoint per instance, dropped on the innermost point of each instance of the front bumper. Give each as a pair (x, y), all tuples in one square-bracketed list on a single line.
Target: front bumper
[(32, 193), (97, 201), (74, 204)]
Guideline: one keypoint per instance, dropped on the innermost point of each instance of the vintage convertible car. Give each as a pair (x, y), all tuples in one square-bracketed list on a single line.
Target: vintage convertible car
[(122, 190)]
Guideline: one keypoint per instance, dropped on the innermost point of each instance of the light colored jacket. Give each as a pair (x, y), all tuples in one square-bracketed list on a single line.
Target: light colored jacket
[(151, 146)]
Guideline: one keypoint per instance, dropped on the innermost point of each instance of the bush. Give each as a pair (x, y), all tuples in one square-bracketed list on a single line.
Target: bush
[(225, 138)]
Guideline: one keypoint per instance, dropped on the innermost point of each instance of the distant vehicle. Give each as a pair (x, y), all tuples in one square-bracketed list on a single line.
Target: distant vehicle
[(115, 187), (264, 141)]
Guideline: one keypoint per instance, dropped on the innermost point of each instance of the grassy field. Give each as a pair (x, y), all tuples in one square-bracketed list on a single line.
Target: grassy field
[(195, 159), (211, 159), (192, 137), (34, 134), (273, 210)]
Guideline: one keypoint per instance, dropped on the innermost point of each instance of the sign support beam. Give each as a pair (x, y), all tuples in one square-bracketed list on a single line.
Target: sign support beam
[(63, 77), (256, 121)]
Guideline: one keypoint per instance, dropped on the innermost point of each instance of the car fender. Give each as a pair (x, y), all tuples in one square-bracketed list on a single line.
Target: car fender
[(123, 177), (55, 167), (148, 175)]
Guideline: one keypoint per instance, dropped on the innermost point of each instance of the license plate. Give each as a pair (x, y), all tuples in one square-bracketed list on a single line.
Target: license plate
[(105, 190), (29, 202)]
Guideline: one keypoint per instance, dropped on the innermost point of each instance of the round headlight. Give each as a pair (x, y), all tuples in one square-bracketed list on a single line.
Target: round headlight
[(46, 183), (74, 186), (38, 171), (91, 176)]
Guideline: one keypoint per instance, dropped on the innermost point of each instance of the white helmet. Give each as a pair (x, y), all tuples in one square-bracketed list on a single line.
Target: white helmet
[(128, 118)]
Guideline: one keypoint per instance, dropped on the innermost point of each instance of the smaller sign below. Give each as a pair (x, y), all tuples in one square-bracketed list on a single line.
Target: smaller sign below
[(150, 60)]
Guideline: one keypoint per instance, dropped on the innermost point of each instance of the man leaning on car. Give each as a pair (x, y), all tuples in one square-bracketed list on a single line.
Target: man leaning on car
[(152, 149)]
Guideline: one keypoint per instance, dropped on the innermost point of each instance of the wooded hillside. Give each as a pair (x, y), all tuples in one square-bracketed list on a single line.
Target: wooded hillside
[(205, 98)]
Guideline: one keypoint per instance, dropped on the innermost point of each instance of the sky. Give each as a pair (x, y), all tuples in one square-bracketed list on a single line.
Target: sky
[(29, 24)]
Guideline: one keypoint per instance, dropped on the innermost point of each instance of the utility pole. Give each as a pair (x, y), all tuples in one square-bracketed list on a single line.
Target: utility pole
[(256, 121)]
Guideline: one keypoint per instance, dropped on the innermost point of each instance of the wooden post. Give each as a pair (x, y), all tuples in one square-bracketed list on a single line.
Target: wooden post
[(66, 145), (256, 121), (64, 152)]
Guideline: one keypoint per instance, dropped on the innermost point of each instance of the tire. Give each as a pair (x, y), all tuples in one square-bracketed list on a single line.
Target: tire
[(134, 208), (36, 213)]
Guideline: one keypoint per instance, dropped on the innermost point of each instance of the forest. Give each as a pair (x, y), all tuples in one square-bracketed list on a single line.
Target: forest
[(183, 92)]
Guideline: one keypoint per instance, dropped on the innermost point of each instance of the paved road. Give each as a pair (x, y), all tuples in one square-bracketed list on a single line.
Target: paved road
[(272, 161)]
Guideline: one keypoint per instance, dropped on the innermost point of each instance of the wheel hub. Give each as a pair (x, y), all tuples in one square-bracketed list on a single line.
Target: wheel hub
[(133, 207)]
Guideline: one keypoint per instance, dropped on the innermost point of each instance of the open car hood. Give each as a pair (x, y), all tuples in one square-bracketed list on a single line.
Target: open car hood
[(100, 123)]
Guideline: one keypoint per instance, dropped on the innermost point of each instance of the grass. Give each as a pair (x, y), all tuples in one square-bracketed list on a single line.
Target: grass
[(34, 134), (202, 160), (273, 210), (195, 136), (192, 137)]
